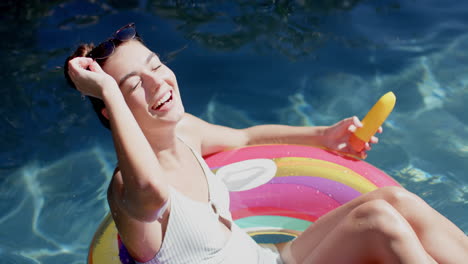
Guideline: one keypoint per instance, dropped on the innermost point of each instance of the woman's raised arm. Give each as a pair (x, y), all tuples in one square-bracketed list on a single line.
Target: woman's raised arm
[(144, 189)]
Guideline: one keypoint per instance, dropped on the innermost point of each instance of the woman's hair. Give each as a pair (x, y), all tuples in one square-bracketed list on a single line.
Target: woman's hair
[(82, 51)]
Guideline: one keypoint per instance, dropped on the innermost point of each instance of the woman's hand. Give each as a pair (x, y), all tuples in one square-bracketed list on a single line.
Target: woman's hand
[(89, 78), (336, 137)]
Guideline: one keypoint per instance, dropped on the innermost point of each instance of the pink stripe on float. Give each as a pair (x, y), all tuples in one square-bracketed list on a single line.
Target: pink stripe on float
[(374, 175), (294, 197)]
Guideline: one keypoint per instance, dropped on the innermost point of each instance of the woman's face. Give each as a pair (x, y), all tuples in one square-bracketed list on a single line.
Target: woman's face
[(148, 86)]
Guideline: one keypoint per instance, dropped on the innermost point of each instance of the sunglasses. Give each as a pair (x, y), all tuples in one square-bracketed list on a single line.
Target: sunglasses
[(107, 48)]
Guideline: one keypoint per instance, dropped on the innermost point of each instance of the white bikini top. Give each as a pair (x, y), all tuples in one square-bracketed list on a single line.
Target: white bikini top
[(194, 229)]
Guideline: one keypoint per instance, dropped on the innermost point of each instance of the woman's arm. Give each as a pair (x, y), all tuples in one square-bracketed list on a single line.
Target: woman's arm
[(283, 134), (144, 190), (216, 138)]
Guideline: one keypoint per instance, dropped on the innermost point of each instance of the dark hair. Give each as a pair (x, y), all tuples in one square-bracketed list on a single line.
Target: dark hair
[(82, 51)]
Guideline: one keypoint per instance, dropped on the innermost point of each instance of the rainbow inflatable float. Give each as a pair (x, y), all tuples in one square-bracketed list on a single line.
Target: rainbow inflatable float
[(277, 191)]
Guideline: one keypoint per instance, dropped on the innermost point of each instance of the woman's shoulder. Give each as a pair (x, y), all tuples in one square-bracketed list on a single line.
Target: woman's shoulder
[(190, 121), (189, 130), (210, 138)]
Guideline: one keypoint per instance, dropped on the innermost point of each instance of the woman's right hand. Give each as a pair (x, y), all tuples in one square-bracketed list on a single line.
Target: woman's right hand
[(89, 78)]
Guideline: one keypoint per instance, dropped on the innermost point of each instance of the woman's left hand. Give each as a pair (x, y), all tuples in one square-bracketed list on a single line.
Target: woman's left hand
[(336, 137)]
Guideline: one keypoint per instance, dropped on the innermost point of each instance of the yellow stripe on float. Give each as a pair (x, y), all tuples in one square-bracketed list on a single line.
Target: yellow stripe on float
[(278, 232), (300, 166), (104, 247)]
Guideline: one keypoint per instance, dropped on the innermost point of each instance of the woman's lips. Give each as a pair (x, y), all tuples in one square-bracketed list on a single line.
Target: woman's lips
[(167, 98)]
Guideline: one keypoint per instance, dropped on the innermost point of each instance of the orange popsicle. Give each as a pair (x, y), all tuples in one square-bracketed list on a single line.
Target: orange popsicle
[(372, 121)]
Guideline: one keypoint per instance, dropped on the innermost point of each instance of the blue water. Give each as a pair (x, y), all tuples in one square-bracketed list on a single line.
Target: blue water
[(238, 63)]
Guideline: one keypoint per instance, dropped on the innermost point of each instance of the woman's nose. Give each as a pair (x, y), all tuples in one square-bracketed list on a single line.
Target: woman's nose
[(154, 82)]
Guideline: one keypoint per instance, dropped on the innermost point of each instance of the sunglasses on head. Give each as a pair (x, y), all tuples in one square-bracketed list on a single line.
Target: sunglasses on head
[(107, 48)]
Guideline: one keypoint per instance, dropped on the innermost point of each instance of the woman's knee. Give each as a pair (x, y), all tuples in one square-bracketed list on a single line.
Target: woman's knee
[(385, 232), (400, 198), (377, 217)]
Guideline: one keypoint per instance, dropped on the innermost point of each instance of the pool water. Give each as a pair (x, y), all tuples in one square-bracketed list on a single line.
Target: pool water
[(238, 63)]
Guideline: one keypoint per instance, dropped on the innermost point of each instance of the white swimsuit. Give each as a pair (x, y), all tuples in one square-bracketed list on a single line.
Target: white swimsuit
[(194, 234)]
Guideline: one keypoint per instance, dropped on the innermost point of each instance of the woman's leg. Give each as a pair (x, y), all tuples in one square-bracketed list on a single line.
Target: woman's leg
[(445, 242), (373, 232)]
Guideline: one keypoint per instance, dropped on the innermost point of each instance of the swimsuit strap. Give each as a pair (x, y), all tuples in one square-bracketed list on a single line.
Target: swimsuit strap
[(204, 166)]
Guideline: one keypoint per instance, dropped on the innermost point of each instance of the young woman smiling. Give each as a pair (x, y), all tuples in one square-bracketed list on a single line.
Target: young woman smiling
[(169, 208)]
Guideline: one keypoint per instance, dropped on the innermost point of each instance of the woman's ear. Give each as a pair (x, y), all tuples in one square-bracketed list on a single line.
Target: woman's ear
[(104, 113)]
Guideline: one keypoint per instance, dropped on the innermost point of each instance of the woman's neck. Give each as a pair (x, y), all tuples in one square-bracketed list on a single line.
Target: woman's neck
[(166, 145)]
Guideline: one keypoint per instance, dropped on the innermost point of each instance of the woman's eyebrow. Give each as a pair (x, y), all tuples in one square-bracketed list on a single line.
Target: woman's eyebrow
[(128, 75), (133, 73), (151, 56)]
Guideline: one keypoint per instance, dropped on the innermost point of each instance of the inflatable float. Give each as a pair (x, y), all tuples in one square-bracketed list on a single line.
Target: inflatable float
[(276, 192)]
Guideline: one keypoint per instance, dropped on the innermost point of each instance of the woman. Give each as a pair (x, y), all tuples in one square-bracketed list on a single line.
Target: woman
[(169, 208)]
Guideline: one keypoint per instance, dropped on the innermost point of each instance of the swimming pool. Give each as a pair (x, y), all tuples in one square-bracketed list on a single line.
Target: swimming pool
[(238, 63)]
